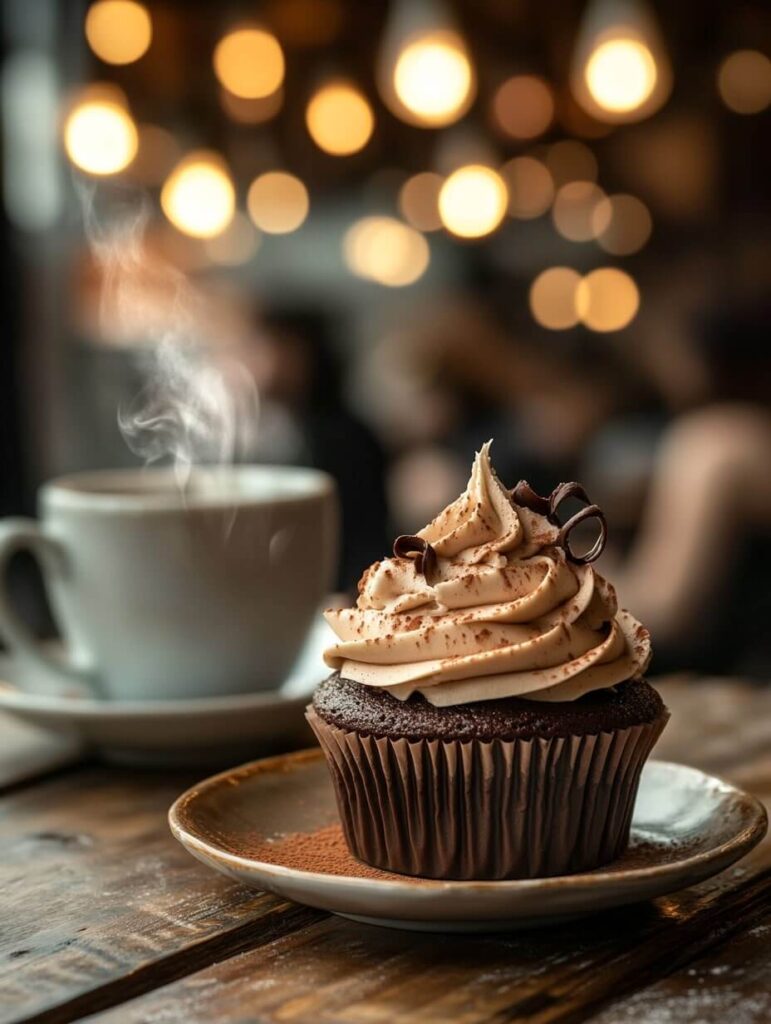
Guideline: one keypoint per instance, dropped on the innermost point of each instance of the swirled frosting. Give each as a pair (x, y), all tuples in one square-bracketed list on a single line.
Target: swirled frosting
[(502, 611)]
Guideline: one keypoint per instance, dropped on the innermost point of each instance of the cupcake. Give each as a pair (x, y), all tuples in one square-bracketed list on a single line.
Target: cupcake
[(487, 715)]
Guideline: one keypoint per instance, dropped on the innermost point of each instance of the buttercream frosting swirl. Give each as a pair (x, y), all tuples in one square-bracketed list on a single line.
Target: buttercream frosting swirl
[(500, 611)]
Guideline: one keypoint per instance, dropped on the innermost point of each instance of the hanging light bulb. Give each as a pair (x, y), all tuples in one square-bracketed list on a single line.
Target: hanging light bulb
[(425, 74), (620, 68)]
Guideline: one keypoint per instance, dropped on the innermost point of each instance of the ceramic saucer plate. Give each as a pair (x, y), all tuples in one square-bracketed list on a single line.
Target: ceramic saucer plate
[(211, 731), (204, 731), (214, 730), (686, 827)]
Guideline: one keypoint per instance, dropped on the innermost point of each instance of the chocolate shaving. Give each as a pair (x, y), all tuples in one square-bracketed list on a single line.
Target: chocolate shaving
[(594, 552), (523, 494), (561, 493), (409, 546)]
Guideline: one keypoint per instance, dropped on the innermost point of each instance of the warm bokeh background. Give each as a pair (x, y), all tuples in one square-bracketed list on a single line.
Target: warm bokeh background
[(369, 236)]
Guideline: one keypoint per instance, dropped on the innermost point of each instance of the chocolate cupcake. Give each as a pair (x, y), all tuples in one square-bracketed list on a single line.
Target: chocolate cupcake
[(487, 717)]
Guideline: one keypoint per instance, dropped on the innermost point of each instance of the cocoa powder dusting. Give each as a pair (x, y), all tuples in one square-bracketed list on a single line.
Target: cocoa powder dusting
[(323, 851)]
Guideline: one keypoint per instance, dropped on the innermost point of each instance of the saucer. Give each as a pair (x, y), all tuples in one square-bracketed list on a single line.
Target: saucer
[(208, 731), (686, 827), (202, 731)]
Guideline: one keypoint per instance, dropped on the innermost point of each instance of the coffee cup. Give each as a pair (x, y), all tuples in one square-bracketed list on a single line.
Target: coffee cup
[(167, 592)]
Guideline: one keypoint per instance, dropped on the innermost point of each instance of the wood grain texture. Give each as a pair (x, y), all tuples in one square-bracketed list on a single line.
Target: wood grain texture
[(93, 890), (116, 918)]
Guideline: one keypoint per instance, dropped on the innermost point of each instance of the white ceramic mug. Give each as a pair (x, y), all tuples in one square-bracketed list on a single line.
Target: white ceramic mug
[(161, 593)]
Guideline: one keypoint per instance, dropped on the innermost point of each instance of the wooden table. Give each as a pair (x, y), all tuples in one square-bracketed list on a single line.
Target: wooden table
[(103, 915)]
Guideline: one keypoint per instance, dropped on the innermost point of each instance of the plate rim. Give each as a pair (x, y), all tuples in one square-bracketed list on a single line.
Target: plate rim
[(15, 700), (740, 844)]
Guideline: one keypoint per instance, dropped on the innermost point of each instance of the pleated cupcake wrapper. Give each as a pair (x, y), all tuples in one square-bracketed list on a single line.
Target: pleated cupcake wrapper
[(486, 810)]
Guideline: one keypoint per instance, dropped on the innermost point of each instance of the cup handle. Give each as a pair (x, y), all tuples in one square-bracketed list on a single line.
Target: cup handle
[(19, 534)]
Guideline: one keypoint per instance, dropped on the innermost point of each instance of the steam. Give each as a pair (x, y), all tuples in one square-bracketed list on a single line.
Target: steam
[(198, 405)]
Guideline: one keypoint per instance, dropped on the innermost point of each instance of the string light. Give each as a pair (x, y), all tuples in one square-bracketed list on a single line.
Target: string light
[(118, 31), (237, 244), (278, 202), (100, 136), (553, 298), (573, 210), (433, 80), (339, 118), (419, 201), (744, 81), (607, 299), (198, 196), (384, 250), (249, 62), (530, 185), (621, 224), (473, 201), (523, 106)]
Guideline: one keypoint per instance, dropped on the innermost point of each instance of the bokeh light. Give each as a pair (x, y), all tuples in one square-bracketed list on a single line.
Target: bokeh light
[(523, 106), (198, 196), (278, 202), (419, 201), (100, 136), (744, 81), (607, 299), (433, 79), (384, 250), (621, 75), (339, 118), (530, 185), (553, 298), (570, 160), (237, 244), (118, 31), (256, 111), (249, 62), (574, 209), (622, 224), (157, 154), (473, 201)]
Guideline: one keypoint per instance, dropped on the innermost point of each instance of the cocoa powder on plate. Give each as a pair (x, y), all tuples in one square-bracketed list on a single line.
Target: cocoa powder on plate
[(323, 851)]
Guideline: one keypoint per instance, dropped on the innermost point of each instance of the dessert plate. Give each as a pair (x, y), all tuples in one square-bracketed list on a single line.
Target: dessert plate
[(266, 823)]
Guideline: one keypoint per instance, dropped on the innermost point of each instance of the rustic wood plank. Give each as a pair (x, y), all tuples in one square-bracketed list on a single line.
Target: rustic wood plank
[(335, 970), (732, 983), (340, 971), (94, 891)]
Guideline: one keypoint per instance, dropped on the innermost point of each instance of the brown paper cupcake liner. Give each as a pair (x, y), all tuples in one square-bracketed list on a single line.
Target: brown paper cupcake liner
[(487, 810)]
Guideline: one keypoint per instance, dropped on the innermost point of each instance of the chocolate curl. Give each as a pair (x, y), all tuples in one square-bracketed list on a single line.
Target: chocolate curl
[(523, 494), (594, 552), (409, 546), (561, 493)]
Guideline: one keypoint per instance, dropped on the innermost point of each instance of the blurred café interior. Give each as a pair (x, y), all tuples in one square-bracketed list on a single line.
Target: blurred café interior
[(367, 237)]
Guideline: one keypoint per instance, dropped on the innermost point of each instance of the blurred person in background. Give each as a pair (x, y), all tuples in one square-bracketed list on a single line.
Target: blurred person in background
[(699, 570), (304, 421), (456, 375)]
